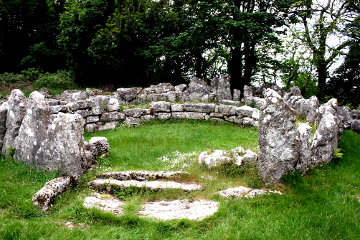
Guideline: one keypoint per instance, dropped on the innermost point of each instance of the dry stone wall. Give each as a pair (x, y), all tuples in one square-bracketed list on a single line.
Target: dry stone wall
[(46, 131)]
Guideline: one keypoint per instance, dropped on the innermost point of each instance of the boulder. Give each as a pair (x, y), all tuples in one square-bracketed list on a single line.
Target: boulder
[(180, 88), (345, 114), (197, 90), (3, 115), (46, 196), (15, 115), (278, 138), (327, 135), (99, 146), (113, 105), (135, 112), (221, 88), (199, 107), (355, 126), (128, 94)]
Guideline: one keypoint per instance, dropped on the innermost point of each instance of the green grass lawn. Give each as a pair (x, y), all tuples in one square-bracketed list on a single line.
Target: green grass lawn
[(320, 205)]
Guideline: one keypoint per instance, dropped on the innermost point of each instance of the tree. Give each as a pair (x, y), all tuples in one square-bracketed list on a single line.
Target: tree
[(319, 20), (25, 25)]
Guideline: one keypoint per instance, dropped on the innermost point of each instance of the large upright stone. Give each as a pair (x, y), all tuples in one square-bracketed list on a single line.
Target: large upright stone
[(327, 135), (33, 130), (15, 115), (52, 142), (221, 87), (248, 94), (278, 138), (3, 115), (197, 90), (304, 162)]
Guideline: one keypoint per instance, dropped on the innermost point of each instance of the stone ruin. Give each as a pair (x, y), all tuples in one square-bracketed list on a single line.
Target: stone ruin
[(46, 132)]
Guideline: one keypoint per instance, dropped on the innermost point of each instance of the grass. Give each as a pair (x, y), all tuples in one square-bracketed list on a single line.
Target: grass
[(320, 205)]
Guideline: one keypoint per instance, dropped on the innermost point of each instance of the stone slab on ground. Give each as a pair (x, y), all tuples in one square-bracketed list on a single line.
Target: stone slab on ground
[(246, 192), (106, 204), (152, 185), (142, 175), (46, 196), (179, 209)]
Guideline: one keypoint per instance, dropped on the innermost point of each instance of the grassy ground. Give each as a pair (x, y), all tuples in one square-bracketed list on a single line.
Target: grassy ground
[(320, 205)]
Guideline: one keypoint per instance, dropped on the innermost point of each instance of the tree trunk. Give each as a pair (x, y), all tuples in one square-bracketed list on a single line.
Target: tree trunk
[(235, 68)]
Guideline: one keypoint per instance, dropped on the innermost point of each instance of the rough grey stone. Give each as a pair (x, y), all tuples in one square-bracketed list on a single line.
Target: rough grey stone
[(345, 113), (248, 94), (159, 88), (304, 161), (108, 126), (151, 185), (236, 95), (245, 111), (147, 117), (92, 119), (135, 112), (92, 127), (227, 110), (93, 91), (3, 115), (327, 135), (142, 175), (355, 125), (99, 146), (46, 196), (295, 90), (278, 138), (73, 95), (246, 192), (177, 107), (199, 107), (229, 102), (132, 122), (113, 105), (180, 88), (180, 209), (106, 204), (163, 115), (99, 104), (128, 94), (197, 89), (15, 115), (189, 115), (221, 88), (59, 108), (161, 106), (84, 112), (248, 121), (113, 116)]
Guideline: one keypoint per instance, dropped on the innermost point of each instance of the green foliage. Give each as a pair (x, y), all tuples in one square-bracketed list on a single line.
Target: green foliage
[(338, 154), (56, 82), (31, 73)]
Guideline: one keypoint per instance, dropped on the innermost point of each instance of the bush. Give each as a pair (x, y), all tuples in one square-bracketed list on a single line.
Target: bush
[(56, 82)]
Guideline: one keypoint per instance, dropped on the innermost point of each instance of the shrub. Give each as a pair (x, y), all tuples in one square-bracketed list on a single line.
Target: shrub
[(56, 82)]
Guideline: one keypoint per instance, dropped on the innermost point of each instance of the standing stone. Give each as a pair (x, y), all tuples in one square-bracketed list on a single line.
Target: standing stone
[(33, 130), (15, 115), (236, 95), (197, 90), (327, 135), (3, 114), (221, 87), (248, 94), (278, 138), (304, 162), (345, 113)]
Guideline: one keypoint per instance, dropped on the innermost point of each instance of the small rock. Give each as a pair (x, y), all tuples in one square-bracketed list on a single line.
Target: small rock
[(108, 204)]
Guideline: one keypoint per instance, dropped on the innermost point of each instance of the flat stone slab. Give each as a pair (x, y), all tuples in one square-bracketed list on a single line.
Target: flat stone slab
[(152, 185), (142, 175), (108, 204), (179, 209), (246, 192)]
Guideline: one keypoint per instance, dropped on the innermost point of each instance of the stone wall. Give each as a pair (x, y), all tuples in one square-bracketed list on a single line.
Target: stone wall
[(46, 132)]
